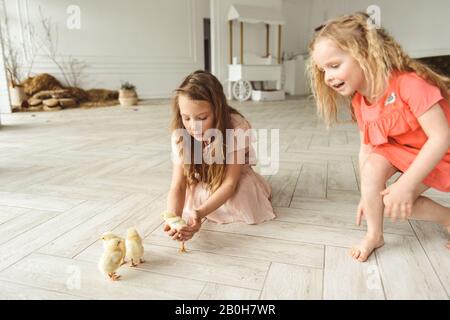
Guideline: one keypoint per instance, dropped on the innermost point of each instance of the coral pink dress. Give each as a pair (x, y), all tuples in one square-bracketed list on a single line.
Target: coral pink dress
[(391, 125), (251, 203)]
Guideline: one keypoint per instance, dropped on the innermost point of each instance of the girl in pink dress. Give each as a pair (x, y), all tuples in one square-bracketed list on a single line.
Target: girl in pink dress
[(222, 185), (403, 113)]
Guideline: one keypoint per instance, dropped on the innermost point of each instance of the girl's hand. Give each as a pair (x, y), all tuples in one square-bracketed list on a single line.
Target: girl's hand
[(398, 200), (174, 233), (170, 232), (193, 226)]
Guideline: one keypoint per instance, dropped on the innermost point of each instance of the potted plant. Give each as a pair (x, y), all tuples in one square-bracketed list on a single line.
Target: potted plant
[(127, 94)]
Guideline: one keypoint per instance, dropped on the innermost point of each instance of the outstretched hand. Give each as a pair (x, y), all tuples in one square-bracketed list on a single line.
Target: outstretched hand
[(194, 224)]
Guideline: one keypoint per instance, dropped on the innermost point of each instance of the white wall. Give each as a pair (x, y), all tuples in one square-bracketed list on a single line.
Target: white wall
[(254, 35), (152, 44), (5, 106), (298, 24), (421, 27), (4, 94)]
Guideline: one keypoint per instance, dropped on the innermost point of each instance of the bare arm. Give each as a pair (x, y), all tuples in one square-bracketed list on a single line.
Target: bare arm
[(435, 125), (218, 198), (177, 192), (223, 193)]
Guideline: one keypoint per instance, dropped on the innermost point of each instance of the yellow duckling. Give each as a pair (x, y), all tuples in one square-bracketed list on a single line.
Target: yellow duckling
[(175, 222)]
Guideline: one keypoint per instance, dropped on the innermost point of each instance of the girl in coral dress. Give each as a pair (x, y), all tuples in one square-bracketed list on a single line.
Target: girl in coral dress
[(403, 113), (212, 175)]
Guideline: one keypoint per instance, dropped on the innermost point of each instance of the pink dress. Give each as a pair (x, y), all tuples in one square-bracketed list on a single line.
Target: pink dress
[(391, 126), (251, 203)]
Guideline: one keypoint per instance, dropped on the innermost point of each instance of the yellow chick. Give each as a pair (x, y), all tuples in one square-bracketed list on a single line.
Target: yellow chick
[(108, 236), (134, 247), (175, 222), (111, 258)]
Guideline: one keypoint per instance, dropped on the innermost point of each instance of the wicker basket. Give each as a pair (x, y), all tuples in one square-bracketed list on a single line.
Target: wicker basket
[(128, 97)]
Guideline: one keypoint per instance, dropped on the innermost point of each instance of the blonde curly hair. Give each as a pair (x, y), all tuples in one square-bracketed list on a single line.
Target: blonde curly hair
[(376, 52)]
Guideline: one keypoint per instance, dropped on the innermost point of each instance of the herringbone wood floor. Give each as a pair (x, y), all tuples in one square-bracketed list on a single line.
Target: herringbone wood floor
[(68, 176)]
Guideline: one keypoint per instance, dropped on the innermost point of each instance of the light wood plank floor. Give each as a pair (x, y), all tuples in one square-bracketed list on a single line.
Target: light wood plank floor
[(66, 177)]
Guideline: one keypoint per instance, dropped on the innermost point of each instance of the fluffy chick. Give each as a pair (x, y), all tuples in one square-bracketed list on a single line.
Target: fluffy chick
[(108, 236), (111, 258), (175, 222), (134, 247)]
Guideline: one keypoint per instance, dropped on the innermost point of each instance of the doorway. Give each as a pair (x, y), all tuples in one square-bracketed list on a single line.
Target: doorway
[(207, 43)]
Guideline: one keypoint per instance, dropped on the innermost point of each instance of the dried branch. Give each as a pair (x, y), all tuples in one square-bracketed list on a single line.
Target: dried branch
[(74, 69), (12, 65), (16, 54), (71, 68), (11, 56), (50, 42), (35, 46)]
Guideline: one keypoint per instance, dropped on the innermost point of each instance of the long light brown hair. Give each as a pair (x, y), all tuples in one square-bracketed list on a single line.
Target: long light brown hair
[(203, 86), (376, 52)]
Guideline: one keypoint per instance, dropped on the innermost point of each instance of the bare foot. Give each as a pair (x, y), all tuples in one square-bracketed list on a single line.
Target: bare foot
[(363, 250)]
